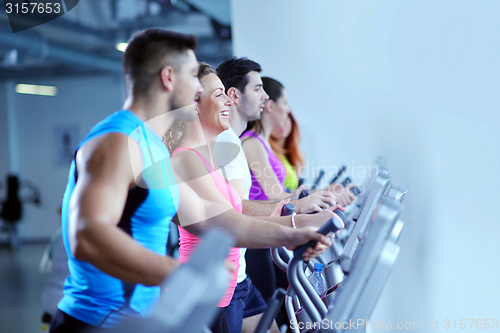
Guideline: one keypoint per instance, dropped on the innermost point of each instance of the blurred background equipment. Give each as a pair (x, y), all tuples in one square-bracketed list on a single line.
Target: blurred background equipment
[(12, 209)]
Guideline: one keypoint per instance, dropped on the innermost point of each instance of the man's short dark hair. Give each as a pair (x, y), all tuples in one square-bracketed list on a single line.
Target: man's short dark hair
[(148, 52), (233, 72)]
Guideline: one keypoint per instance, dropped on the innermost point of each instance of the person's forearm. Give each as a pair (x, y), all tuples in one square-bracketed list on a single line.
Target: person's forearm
[(300, 220), (266, 208), (281, 196), (258, 208), (114, 252), (249, 232), (285, 221)]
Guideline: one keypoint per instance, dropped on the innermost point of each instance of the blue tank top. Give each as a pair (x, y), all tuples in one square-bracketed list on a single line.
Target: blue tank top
[(91, 295)]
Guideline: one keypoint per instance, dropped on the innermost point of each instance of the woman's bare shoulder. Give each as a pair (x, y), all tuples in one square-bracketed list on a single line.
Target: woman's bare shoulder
[(188, 165)]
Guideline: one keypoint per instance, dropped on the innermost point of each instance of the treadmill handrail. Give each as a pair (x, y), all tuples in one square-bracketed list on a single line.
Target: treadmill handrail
[(372, 200)]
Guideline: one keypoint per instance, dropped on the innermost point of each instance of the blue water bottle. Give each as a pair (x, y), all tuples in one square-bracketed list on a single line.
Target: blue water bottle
[(316, 280)]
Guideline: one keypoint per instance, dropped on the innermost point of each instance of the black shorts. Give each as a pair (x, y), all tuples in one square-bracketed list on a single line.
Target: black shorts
[(246, 302), (64, 323)]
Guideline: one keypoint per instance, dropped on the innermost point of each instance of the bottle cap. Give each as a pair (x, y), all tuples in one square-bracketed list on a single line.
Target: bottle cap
[(318, 266)]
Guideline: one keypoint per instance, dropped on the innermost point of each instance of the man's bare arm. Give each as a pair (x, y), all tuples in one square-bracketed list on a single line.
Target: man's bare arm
[(313, 203), (259, 208), (97, 203), (253, 233), (305, 220), (253, 207)]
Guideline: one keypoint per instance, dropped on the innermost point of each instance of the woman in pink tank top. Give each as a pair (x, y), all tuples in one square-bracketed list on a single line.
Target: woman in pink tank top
[(191, 143)]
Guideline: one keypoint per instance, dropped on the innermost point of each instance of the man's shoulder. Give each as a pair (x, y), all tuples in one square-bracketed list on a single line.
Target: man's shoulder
[(106, 147), (112, 132), (227, 149), (122, 121), (188, 165), (229, 136)]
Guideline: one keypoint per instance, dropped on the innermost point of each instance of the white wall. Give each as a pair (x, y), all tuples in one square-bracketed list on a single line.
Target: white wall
[(416, 82), (81, 102)]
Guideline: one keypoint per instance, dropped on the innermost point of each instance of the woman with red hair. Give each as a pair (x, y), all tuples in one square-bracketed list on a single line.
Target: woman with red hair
[(285, 142)]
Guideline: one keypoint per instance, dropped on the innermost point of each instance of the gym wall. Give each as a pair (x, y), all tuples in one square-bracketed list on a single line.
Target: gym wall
[(416, 82), (80, 103)]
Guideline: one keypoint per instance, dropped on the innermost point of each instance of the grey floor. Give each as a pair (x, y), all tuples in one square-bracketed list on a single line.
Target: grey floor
[(21, 286)]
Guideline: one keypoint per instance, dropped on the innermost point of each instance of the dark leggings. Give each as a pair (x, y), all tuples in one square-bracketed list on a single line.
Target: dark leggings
[(220, 324)]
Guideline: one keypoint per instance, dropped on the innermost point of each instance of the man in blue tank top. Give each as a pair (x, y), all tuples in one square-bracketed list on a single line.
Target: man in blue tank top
[(121, 193)]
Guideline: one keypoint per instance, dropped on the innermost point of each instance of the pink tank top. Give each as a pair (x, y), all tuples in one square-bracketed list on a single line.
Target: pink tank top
[(188, 242)]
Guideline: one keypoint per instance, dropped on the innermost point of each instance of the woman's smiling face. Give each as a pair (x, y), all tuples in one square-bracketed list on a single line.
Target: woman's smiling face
[(214, 104)]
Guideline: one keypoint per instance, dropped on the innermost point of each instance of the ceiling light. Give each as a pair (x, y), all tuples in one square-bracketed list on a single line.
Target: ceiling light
[(121, 47), (11, 58), (32, 89), (154, 8)]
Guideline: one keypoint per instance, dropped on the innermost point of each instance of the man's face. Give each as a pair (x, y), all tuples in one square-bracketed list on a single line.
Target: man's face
[(252, 98), (187, 87)]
